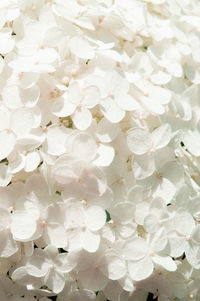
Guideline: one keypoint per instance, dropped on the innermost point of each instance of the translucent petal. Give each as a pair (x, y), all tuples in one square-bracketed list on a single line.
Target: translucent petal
[(6, 42), (84, 146), (22, 121), (23, 225), (37, 266), (105, 155), (80, 48), (111, 110), (8, 246), (55, 281), (195, 235), (32, 161), (123, 212), (127, 102), (139, 141), (161, 136), (93, 279), (30, 96), (90, 241), (56, 138), (113, 267), (7, 142), (5, 175), (143, 166), (184, 222), (140, 270), (91, 98), (160, 78), (166, 262), (107, 131), (95, 218), (4, 118), (158, 240), (11, 96), (62, 107), (94, 181), (63, 264), (82, 118), (55, 235), (135, 249), (191, 139)]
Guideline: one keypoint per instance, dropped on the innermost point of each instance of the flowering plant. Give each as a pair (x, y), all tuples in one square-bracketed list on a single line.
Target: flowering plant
[(99, 150)]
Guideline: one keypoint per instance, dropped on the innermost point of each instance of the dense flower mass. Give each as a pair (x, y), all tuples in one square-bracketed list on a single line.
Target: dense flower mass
[(99, 150)]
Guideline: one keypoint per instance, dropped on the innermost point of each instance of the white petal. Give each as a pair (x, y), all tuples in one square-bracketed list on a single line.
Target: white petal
[(32, 161), (56, 137), (161, 136), (127, 102), (160, 78), (8, 246), (195, 235), (165, 189), (55, 235), (83, 295), (55, 281), (140, 270), (175, 69), (22, 121), (111, 110), (81, 48), (91, 98), (82, 118), (123, 212), (84, 147), (107, 131), (92, 279), (63, 264), (105, 155), (30, 96), (150, 223), (191, 139), (90, 241), (37, 266), (6, 42), (94, 180), (177, 244), (192, 252), (143, 166), (113, 267), (159, 240), (4, 118), (166, 262), (95, 217), (139, 141), (62, 107), (23, 225), (135, 249), (11, 97), (5, 175), (184, 222)]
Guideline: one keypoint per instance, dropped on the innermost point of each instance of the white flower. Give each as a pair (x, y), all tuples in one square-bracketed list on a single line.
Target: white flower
[(49, 265)]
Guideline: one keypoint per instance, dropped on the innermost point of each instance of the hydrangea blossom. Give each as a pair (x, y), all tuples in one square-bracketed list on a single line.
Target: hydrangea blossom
[(99, 150)]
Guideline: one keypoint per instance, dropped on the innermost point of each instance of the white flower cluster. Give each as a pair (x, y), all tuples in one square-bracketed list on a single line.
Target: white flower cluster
[(99, 150)]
